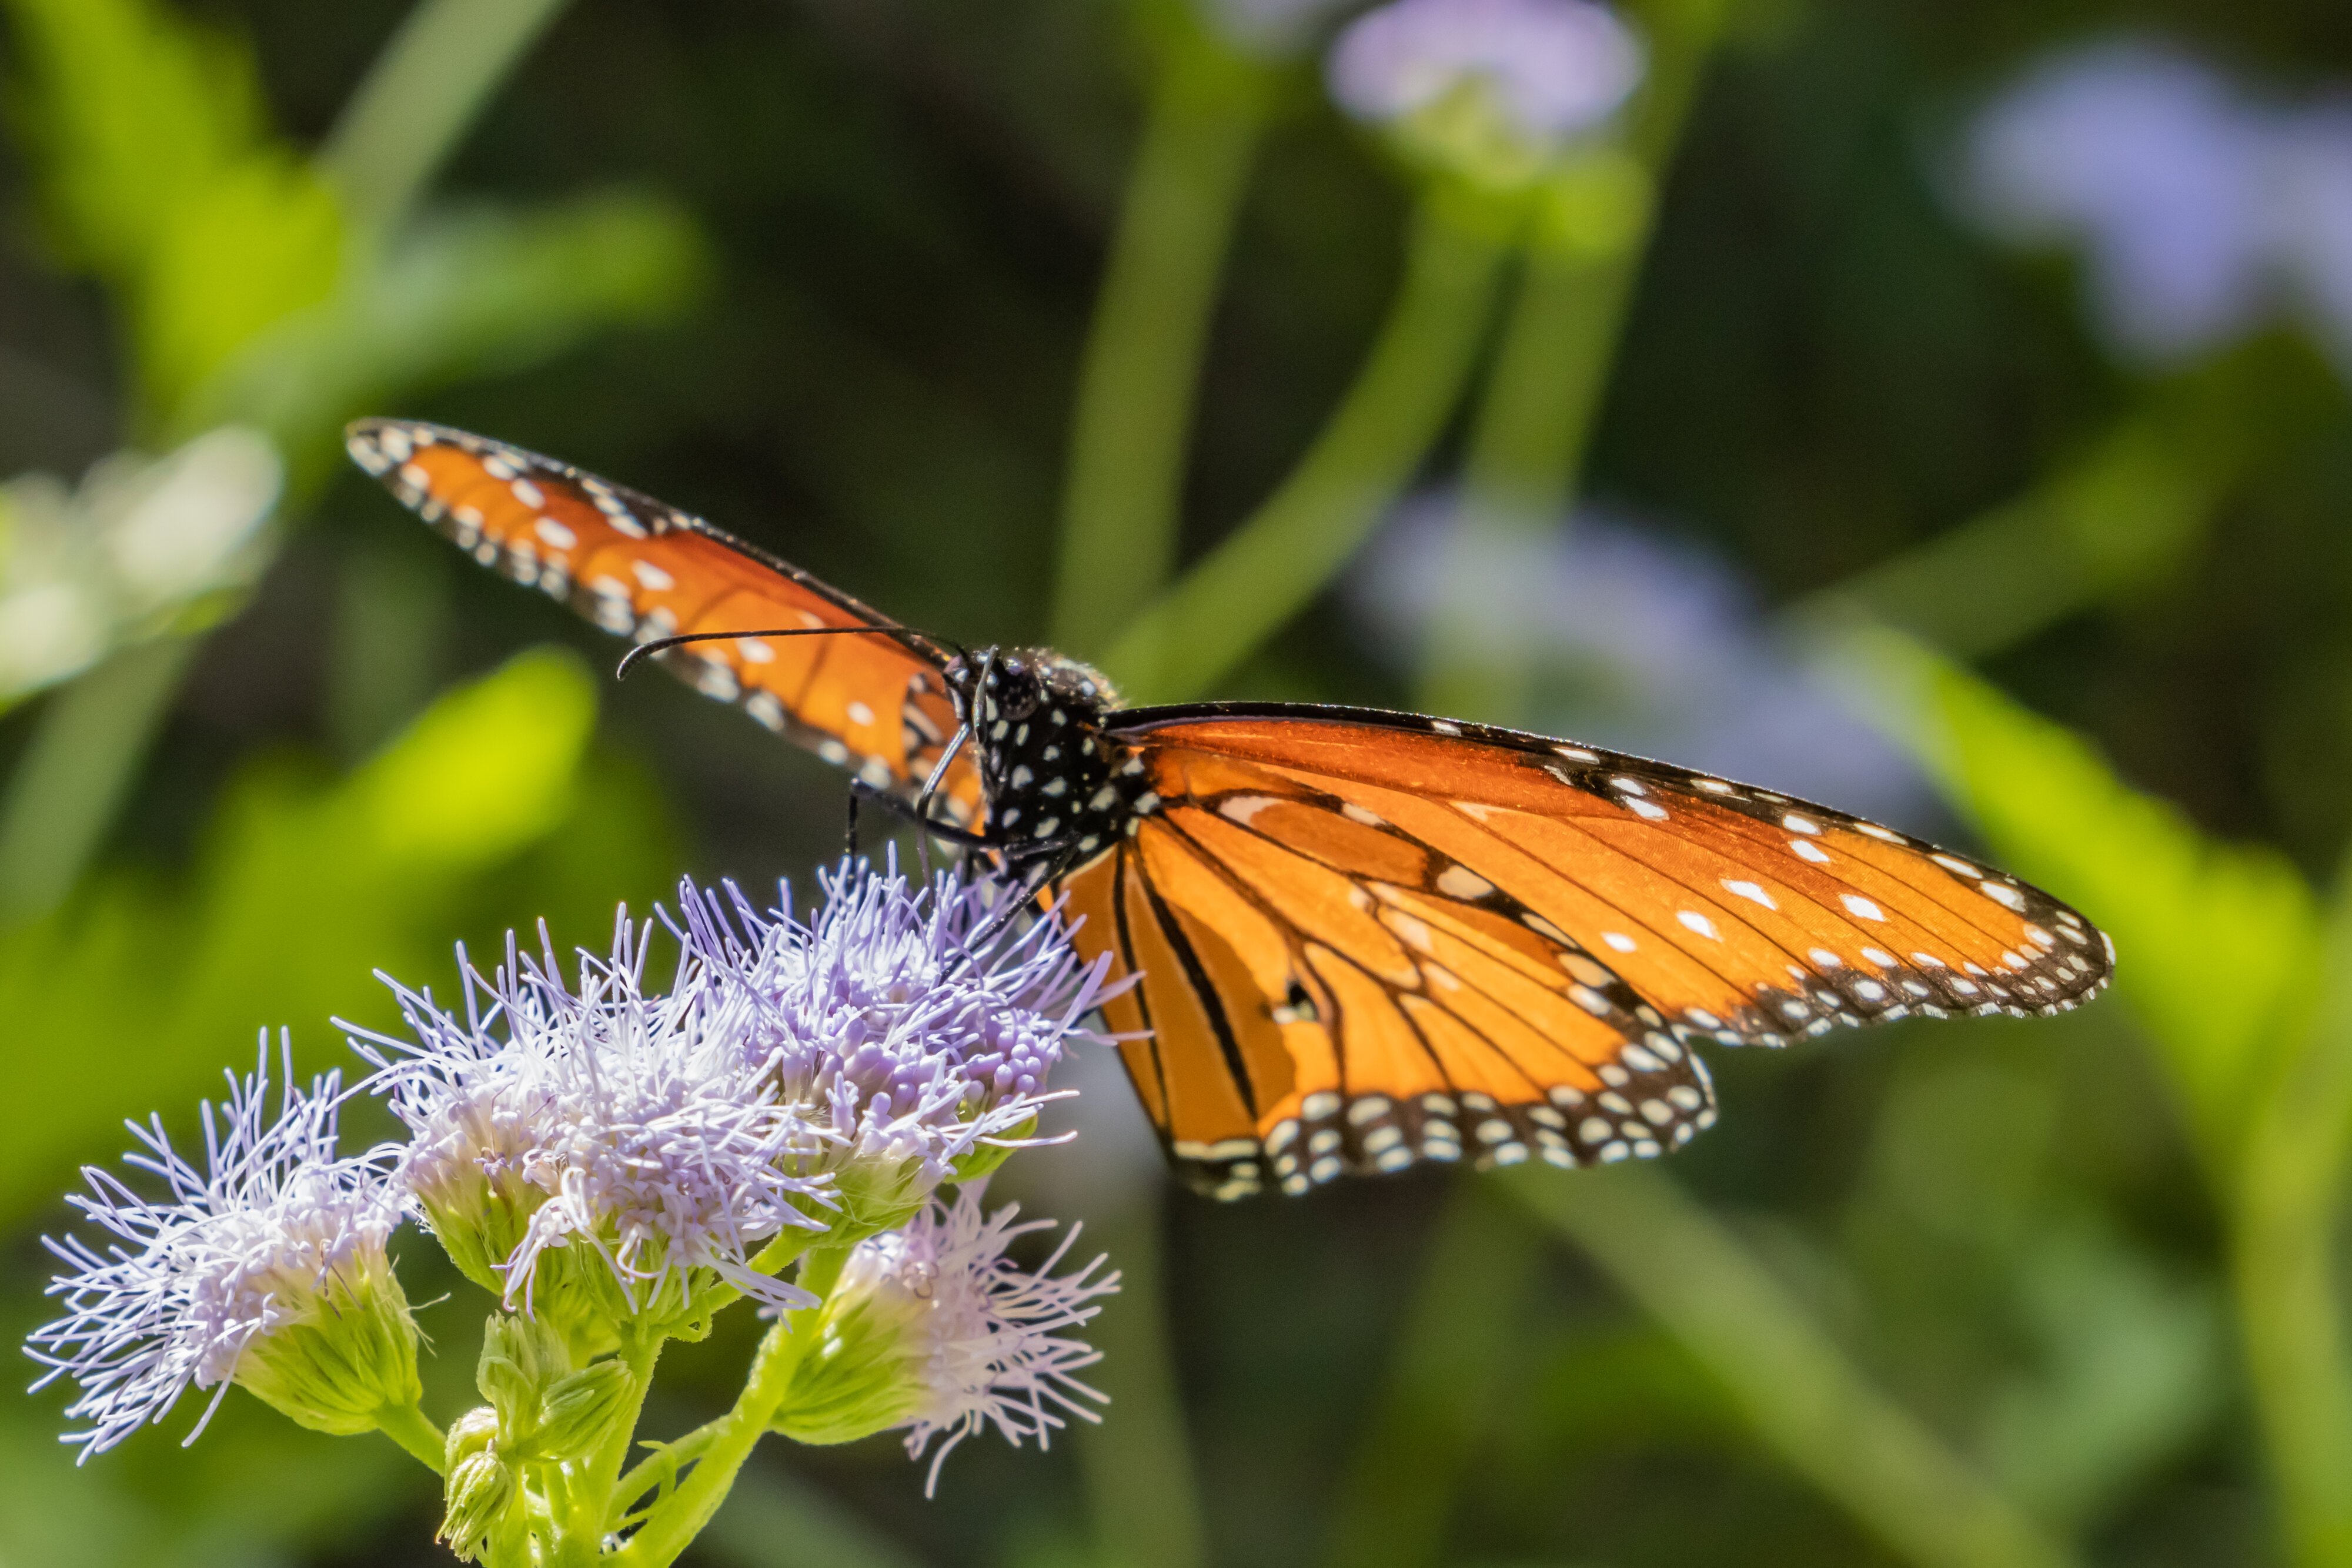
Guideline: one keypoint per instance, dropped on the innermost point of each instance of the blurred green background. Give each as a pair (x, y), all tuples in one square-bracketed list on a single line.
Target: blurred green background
[(1769, 427)]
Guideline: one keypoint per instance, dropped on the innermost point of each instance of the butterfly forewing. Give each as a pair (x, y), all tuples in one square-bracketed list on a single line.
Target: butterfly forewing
[(1380, 938), (645, 570)]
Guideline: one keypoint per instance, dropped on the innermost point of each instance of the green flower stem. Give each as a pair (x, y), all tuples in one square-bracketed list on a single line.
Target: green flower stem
[(420, 96), (1560, 336), (413, 1431), (674, 1522), (1139, 380), (1799, 1391), (2122, 513), (1558, 343), (2289, 1212), (87, 747), (581, 1539), (660, 1467), (1442, 1381), (1536, 418), (1278, 559)]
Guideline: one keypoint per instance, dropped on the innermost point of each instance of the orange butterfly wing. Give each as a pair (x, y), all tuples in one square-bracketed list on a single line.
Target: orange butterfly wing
[(1370, 938), (643, 570)]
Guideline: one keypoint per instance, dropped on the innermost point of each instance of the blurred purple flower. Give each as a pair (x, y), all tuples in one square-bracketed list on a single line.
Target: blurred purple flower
[(1554, 68), (2203, 211), (1636, 643)]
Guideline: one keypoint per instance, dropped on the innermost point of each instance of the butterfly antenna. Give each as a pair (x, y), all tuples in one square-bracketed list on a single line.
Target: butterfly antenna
[(663, 645)]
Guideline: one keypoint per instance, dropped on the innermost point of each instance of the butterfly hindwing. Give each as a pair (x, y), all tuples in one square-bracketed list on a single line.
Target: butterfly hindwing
[(642, 570), (1382, 937)]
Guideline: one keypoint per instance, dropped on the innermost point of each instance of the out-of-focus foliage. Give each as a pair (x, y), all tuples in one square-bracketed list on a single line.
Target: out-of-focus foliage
[(305, 885), (161, 175)]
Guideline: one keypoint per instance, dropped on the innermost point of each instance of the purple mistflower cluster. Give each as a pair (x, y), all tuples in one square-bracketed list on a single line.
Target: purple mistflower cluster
[(236, 1251), (606, 1155), (1554, 68)]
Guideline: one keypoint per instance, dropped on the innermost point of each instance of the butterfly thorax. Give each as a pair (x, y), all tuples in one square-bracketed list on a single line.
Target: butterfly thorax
[(1047, 762)]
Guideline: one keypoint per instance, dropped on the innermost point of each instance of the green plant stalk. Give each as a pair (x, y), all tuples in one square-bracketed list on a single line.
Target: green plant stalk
[(1551, 367), (1799, 1393), (2120, 514), (674, 1522), (1561, 337), (420, 98), (581, 1533), (1442, 1379), (1536, 419), (649, 1472), (88, 747), (1137, 1464), (1140, 380), (413, 1431), (1282, 556), (2288, 1215)]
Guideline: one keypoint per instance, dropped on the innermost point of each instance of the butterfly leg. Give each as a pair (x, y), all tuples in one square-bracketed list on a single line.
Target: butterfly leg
[(932, 826)]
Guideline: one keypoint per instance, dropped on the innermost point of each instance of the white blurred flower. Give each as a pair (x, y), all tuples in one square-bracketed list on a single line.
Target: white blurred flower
[(931, 1328), (85, 571), (1498, 86), (1635, 643), (2203, 211)]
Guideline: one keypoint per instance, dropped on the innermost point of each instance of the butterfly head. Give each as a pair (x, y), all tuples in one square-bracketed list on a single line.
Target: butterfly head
[(1036, 721)]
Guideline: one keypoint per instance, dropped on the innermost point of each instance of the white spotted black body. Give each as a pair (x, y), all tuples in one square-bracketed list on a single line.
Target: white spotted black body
[(1060, 789)]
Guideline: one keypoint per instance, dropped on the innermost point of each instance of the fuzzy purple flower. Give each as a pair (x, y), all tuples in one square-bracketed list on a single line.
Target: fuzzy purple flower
[(605, 1149), (912, 1025), (267, 1268), (597, 1147), (933, 1329)]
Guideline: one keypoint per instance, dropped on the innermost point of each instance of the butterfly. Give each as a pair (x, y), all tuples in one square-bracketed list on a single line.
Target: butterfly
[(1364, 939)]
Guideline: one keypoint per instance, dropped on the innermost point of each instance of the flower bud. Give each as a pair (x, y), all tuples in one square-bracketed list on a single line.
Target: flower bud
[(579, 1411), (865, 1373), (520, 1358), (471, 1434), (479, 1496)]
